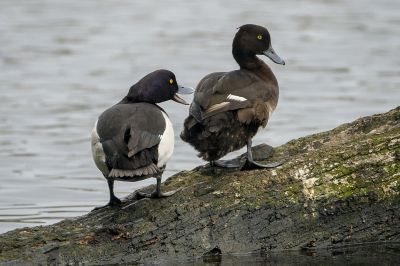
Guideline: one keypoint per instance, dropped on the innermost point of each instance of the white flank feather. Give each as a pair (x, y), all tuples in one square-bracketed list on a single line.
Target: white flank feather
[(236, 98), (98, 154), (166, 146)]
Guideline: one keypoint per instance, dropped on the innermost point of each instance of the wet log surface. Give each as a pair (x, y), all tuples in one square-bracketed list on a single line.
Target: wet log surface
[(336, 188)]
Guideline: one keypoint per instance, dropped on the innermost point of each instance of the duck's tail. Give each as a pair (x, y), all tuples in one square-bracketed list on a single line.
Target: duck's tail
[(215, 136), (191, 130)]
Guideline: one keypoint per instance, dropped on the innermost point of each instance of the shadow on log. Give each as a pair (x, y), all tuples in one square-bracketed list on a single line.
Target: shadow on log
[(335, 188)]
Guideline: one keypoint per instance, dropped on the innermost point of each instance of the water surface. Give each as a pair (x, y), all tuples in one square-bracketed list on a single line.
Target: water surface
[(63, 62), (371, 254)]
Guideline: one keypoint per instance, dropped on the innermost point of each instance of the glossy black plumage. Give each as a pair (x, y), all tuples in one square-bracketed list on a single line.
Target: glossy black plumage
[(129, 141), (134, 139)]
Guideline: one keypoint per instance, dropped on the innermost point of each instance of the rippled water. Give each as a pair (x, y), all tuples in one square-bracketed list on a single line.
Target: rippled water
[(63, 62)]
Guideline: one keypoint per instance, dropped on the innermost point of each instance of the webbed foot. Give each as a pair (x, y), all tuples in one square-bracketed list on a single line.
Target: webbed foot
[(262, 152), (156, 194), (231, 164), (265, 150), (251, 165), (114, 201)]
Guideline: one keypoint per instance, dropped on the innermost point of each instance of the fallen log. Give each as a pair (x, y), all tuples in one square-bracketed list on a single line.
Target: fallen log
[(335, 188)]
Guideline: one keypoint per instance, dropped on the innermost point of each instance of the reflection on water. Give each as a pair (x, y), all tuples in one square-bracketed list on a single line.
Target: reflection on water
[(372, 254), (63, 62)]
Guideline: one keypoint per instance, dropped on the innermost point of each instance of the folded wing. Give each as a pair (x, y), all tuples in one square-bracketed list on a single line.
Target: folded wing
[(226, 91)]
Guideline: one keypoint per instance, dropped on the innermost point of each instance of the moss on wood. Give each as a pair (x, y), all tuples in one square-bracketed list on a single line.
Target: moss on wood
[(337, 187)]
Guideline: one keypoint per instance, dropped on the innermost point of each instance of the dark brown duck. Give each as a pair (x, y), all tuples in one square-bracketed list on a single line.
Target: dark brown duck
[(229, 107)]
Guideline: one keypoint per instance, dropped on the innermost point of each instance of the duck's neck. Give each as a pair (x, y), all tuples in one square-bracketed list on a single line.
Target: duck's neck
[(246, 61), (252, 63), (125, 100), (134, 95)]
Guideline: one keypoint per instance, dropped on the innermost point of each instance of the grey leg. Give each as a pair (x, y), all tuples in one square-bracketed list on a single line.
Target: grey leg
[(250, 164), (114, 201), (157, 193)]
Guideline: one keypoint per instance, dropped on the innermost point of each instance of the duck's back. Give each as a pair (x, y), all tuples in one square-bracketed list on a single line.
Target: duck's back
[(140, 116), (137, 139), (227, 109), (238, 89)]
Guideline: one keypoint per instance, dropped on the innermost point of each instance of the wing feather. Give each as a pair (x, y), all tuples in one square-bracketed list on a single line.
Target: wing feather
[(224, 91), (140, 140), (129, 135)]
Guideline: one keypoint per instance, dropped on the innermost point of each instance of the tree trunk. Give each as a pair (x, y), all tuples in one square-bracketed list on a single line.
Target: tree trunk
[(335, 188)]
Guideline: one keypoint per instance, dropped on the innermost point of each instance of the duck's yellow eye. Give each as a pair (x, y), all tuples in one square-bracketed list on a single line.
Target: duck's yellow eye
[(259, 36), (171, 81)]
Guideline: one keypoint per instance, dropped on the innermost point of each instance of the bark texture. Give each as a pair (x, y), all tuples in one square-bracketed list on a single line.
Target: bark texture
[(335, 188)]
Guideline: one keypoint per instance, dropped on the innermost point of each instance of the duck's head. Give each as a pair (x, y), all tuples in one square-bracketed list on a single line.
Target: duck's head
[(253, 40), (156, 87)]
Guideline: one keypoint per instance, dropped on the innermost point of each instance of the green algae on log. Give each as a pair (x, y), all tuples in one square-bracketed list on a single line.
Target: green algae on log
[(336, 188)]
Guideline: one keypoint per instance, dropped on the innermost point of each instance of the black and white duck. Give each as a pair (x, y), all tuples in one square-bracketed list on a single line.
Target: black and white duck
[(229, 107), (134, 139)]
